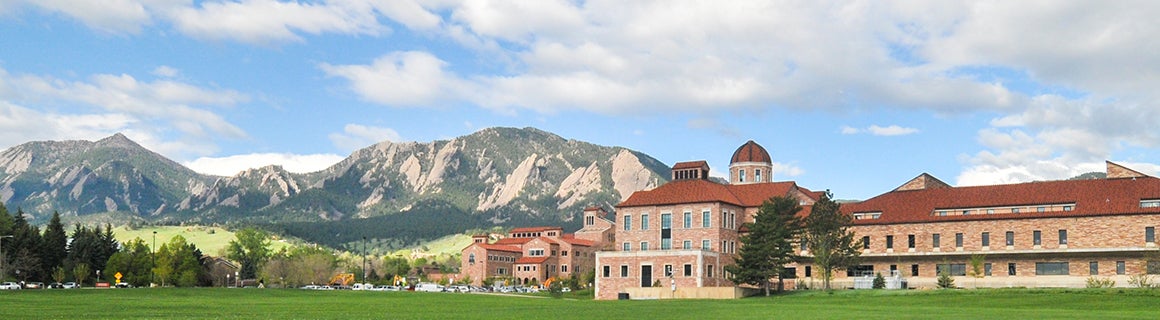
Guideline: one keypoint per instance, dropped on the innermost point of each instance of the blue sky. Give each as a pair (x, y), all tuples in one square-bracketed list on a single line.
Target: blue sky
[(856, 97)]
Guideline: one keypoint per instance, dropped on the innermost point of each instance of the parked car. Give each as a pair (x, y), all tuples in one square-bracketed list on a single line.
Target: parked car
[(9, 286), (123, 285), (71, 285), (429, 287), (56, 285), (34, 285)]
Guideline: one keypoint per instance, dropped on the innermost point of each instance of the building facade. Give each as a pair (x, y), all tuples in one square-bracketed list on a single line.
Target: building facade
[(1039, 234), (533, 255)]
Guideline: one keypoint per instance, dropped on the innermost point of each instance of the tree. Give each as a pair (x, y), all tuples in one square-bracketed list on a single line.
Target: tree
[(81, 272), (977, 267), (944, 279), (58, 274), (768, 246), (134, 262), (829, 239), (53, 245), (879, 281), (250, 248)]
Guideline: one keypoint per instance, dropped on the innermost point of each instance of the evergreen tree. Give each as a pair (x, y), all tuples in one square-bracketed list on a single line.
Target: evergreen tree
[(829, 238), (134, 262), (25, 249), (769, 245), (53, 246), (6, 247)]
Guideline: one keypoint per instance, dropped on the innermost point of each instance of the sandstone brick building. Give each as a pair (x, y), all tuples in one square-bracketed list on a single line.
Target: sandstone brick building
[(532, 255), (1053, 234)]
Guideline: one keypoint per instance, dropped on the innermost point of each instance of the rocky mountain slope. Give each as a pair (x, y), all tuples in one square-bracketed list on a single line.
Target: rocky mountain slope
[(502, 176)]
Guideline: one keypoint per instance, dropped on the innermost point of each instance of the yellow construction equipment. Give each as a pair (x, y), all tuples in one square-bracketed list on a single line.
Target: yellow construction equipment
[(342, 279)]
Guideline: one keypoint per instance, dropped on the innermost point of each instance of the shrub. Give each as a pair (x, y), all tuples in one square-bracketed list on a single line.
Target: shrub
[(1142, 281), (879, 281), (1094, 282), (556, 289), (945, 281)]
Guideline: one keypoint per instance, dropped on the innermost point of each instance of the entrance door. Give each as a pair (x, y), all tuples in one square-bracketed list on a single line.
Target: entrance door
[(646, 276)]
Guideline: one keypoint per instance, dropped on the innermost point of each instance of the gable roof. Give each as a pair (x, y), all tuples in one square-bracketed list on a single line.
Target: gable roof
[(572, 240), (1091, 198), (531, 260), (496, 247), (512, 241), (701, 164), (533, 229), (694, 191)]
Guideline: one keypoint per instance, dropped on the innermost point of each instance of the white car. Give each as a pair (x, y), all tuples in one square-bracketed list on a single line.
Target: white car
[(429, 287), (71, 285), (9, 286)]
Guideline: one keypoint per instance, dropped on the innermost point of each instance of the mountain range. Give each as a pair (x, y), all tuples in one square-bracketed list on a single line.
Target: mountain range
[(496, 176)]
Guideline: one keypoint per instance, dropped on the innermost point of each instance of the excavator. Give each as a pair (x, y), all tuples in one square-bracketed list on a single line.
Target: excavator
[(342, 279)]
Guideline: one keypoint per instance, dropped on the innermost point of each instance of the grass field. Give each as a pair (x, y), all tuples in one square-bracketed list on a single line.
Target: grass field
[(209, 243), (219, 303)]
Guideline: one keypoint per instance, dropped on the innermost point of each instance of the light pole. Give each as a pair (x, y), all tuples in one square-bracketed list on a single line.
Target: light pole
[(237, 279), (227, 283), (98, 276), (3, 259), (153, 272)]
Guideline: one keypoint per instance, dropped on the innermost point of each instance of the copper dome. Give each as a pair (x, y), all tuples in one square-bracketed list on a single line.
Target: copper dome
[(751, 152)]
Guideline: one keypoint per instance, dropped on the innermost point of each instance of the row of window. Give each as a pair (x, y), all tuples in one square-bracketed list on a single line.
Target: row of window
[(728, 220), (1003, 210), (985, 239), (1051, 268), (756, 175), (686, 271), (726, 246)]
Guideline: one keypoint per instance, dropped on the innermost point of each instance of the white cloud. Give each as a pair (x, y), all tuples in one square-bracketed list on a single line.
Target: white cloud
[(891, 130), (269, 21), (400, 79), (111, 16), (232, 165), (166, 72), (355, 136), (786, 170)]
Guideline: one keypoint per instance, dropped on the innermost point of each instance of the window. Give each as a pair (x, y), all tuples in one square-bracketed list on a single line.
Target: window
[(644, 246), (1036, 238), (471, 258), (1063, 237), (987, 269), (668, 270), (959, 240), (934, 240), (889, 242), (624, 271), (687, 244), (666, 231), (706, 245), (1120, 268), (860, 270), (564, 253), (705, 220), (805, 245), (501, 271), (1149, 234), (910, 241), (709, 271), (1010, 238), (666, 221), (741, 175), (1094, 268), (627, 247), (553, 253), (688, 270), (954, 269), (809, 272), (1066, 208), (688, 220), (644, 222), (589, 220), (1014, 210), (1051, 269), (914, 270), (1150, 203), (607, 271), (1040, 209), (563, 268), (990, 211), (788, 273), (942, 213), (536, 252), (986, 239), (866, 242), (627, 222), (1011, 269)]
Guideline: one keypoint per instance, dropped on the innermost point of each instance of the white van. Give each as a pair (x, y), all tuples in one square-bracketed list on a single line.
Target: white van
[(429, 287)]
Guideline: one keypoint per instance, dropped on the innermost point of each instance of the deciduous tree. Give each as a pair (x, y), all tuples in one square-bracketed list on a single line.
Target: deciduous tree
[(250, 248), (829, 239)]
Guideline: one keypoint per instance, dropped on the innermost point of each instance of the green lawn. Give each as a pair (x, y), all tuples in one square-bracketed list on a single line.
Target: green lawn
[(210, 243), (218, 303)]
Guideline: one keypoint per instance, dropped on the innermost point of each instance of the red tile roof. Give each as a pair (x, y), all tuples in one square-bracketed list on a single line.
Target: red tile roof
[(578, 242), (693, 191), (531, 260), (495, 247), (691, 165), (513, 241), (1091, 198), (750, 152)]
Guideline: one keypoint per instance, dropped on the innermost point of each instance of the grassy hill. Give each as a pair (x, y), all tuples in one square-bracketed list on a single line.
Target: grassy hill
[(211, 240)]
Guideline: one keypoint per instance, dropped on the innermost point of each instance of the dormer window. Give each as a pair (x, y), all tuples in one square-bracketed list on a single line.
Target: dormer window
[(1151, 203), (756, 175)]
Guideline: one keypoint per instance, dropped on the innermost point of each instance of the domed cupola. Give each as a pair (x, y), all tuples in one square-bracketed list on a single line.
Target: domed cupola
[(750, 164)]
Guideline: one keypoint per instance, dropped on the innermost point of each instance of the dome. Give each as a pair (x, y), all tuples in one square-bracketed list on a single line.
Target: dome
[(751, 152)]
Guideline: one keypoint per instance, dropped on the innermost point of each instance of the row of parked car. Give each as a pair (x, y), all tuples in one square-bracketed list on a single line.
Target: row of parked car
[(38, 285)]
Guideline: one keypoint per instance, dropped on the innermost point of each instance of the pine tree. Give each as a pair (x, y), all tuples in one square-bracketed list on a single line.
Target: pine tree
[(769, 245), (53, 246), (829, 238)]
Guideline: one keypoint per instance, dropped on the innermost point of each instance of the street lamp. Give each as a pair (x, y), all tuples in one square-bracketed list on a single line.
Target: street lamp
[(237, 280), (98, 275), (364, 259), (227, 283)]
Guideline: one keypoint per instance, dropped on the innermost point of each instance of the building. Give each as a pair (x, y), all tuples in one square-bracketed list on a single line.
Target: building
[(682, 234), (1036, 234), (532, 255)]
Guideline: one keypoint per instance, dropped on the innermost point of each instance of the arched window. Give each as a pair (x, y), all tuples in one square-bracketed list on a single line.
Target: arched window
[(471, 258)]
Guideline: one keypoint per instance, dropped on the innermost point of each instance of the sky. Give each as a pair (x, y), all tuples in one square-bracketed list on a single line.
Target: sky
[(855, 97)]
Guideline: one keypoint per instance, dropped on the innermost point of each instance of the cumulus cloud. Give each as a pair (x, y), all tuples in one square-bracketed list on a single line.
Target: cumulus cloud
[(891, 130), (232, 165), (166, 72), (399, 79), (356, 136), (269, 21)]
